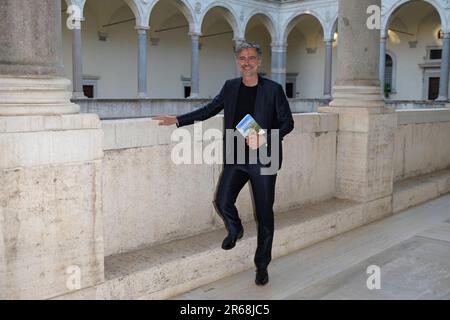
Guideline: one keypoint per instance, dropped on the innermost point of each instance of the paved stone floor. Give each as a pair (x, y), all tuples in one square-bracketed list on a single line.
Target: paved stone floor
[(411, 249)]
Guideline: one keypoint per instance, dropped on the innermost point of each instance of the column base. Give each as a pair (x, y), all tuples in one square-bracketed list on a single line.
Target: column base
[(78, 95), (357, 96), (142, 96), (365, 152), (193, 96), (35, 96), (51, 232)]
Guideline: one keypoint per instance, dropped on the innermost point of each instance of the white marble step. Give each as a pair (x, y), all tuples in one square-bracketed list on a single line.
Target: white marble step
[(169, 269), (413, 191), (411, 248)]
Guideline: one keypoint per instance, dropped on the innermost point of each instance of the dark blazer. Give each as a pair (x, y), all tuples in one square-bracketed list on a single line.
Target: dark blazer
[(272, 110)]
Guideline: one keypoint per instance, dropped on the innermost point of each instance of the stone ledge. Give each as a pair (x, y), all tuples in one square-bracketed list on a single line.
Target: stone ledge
[(16, 124), (413, 116), (154, 273), (145, 132), (413, 191), (27, 149)]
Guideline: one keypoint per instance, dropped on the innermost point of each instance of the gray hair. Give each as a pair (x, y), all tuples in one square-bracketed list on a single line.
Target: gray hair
[(248, 45)]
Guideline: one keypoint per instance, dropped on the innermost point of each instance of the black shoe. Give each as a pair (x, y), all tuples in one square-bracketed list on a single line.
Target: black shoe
[(262, 277), (230, 241)]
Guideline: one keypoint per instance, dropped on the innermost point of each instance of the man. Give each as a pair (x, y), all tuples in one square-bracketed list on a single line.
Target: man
[(266, 102)]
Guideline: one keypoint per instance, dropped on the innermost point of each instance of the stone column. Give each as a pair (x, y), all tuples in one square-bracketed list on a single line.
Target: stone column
[(142, 63), (328, 69), (237, 42), (382, 64), (31, 69), (77, 63), (51, 233), (443, 84), (279, 52), (195, 66), (365, 143), (357, 82)]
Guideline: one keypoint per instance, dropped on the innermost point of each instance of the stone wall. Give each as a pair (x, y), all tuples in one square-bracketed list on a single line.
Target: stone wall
[(147, 199), (421, 142), (50, 204), (133, 108)]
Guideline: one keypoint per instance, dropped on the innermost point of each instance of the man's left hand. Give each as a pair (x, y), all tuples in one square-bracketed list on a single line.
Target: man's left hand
[(255, 141)]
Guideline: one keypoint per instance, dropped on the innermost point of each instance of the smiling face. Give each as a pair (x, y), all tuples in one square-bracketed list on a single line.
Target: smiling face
[(249, 62)]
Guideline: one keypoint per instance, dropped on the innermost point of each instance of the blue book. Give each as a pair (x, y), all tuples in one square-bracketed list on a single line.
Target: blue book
[(248, 125)]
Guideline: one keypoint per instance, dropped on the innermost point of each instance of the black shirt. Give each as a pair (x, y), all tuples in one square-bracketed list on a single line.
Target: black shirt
[(245, 105)]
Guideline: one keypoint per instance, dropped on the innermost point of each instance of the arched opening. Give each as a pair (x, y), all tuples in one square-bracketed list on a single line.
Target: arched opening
[(305, 58), (108, 49), (217, 62), (169, 52), (259, 29), (413, 36)]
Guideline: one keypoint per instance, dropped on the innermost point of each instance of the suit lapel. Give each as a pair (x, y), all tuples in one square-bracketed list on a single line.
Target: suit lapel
[(259, 103), (233, 101)]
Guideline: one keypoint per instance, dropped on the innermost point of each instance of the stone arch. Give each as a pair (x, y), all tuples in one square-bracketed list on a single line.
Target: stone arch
[(387, 19), (329, 34), (292, 21), (186, 9), (229, 15), (267, 20)]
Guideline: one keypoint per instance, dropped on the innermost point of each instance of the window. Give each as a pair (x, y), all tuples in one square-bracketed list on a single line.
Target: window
[(291, 85), (433, 88), (289, 89), (90, 86), (186, 85), (88, 91), (435, 54), (388, 73), (187, 91)]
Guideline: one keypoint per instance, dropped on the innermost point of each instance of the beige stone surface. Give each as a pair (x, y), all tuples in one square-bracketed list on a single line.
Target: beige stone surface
[(150, 200), (413, 191), (411, 248), (44, 140), (365, 154), (50, 220), (154, 272), (421, 148)]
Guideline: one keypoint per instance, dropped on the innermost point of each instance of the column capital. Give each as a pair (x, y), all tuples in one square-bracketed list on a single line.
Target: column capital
[(238, 40), (446, 35), (77, 24), (279, 46), (195, 35), (141, 29)]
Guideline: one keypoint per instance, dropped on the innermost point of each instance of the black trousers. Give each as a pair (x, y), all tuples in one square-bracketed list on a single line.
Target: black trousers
[(233, 179)]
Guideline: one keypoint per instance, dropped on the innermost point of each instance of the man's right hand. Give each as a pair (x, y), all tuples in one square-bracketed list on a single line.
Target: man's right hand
[(166, 120)]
